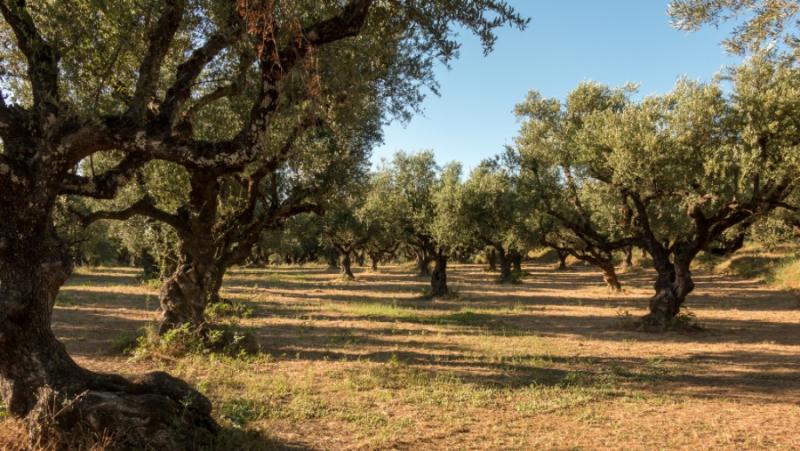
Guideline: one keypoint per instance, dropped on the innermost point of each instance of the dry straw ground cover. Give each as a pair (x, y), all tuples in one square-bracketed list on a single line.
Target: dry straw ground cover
[(546, 364)]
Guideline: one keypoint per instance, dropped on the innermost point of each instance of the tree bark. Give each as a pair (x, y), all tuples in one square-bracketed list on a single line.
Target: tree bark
[(345, 264), (439, 278), (673, 284), (505, 266), (37, 375), (374, 259), (562, 259), (516, 260), (423, 264)]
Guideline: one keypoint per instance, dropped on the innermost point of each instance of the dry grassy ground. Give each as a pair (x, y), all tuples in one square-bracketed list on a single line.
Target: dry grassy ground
[(541, 365)]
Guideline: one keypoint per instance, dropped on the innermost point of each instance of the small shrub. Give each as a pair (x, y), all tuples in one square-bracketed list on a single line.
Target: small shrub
[(184, 340), (234, 309)]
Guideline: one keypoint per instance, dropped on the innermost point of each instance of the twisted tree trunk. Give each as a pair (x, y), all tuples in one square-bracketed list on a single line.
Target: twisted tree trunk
[(38, 377), (673, 284), (346, 264), (439, 277)]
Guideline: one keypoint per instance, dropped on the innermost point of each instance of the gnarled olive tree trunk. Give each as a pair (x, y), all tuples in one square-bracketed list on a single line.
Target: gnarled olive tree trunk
[(197, 278), (673, 284), (346, 266), (516, 260), (37, 375), (374, 259), (439, 277)]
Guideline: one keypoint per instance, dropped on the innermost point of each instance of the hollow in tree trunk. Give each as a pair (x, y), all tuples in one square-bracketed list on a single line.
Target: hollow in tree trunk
[(345, 264), (37, 375), (439, 277), (491, 259)]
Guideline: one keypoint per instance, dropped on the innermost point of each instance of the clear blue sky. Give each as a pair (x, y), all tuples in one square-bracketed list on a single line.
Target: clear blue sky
[(568, 41)]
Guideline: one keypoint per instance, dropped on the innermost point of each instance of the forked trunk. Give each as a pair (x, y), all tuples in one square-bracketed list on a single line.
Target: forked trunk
[(39, 381), (439, 278), (346, 264)]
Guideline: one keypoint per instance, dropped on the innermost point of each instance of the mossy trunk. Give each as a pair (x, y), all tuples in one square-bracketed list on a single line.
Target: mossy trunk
[(439, 278)]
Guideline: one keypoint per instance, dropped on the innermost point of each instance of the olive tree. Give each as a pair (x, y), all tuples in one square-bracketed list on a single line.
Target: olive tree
[(498, 213), (586, 217)]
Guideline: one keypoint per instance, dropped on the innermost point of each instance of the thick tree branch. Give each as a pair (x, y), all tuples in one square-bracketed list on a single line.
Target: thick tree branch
[(160, 37), (105, 185), (189, 70), (142, 207), (41, 56)]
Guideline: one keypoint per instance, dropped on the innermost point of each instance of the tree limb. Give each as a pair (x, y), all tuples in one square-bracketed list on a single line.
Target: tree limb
[(105, 185), (41, 56), (143, 207), (159, 38), (189, 70)]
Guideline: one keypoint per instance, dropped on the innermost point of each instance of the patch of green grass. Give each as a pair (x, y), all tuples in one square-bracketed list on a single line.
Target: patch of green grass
[(3, 412), (239, 412)]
